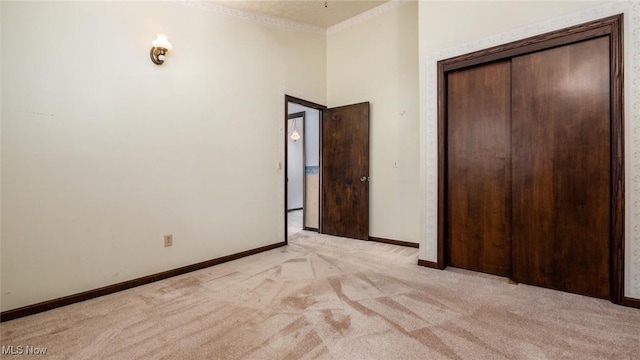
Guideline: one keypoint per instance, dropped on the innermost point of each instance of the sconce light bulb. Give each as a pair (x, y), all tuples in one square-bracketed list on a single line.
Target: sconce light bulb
[(295, 136)]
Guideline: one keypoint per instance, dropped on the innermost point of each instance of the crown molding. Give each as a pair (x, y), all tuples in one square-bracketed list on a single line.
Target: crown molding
[(366, 15), (258, 18)]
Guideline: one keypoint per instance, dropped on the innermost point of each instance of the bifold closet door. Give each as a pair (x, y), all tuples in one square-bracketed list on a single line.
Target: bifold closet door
[(561, 168), (479, 168)]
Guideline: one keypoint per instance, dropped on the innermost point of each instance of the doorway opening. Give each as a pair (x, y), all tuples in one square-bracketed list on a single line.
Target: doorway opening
[(335, 146), (302, 165)]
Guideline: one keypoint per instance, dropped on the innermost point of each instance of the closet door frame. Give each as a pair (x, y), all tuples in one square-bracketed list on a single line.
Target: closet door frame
[(613, 28)]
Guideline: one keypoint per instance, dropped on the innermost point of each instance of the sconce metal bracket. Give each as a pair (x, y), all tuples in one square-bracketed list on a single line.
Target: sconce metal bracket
[(157, 55)]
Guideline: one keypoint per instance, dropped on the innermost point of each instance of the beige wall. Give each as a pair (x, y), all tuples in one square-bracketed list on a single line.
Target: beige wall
[(376, 60), (311, 206), (449, 29), (104, 152)]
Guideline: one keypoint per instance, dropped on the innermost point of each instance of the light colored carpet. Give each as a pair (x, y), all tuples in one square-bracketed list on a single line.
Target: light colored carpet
[(294, 222), (324, 297)]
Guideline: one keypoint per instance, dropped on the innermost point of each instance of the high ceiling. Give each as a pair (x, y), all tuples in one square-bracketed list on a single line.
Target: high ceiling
[(312, 12)]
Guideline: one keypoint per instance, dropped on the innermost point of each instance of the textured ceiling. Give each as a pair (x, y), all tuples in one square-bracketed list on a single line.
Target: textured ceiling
[(312, 12)]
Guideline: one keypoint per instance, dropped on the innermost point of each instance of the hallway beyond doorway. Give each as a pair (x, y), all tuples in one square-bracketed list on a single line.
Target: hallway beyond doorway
[(294, 221)]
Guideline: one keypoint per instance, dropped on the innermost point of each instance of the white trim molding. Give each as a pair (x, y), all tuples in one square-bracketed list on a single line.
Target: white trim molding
[(429, 124)]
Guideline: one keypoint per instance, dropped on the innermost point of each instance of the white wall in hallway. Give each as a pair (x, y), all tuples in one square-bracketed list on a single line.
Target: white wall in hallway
[(312, 132)]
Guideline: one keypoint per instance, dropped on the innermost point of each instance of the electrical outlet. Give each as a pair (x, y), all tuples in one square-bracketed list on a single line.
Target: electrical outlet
[(168, 240)]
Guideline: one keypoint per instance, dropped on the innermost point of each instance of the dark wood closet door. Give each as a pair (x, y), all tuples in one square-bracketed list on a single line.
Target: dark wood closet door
[(561, 168), (345, 171), (479, 168)]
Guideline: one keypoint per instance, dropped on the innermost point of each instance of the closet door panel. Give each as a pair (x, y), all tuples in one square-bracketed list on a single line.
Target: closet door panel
[(561, 168), (479, 166)]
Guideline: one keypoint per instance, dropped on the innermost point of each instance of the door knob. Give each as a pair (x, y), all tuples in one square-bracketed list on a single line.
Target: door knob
[(364, 178)]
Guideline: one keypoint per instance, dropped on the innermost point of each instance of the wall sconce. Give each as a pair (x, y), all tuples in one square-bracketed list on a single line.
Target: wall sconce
[(159, 50)]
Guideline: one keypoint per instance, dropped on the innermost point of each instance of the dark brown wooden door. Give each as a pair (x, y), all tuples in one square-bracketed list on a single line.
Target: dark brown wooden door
[(561, 168), (479, 168), (345, 171)]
